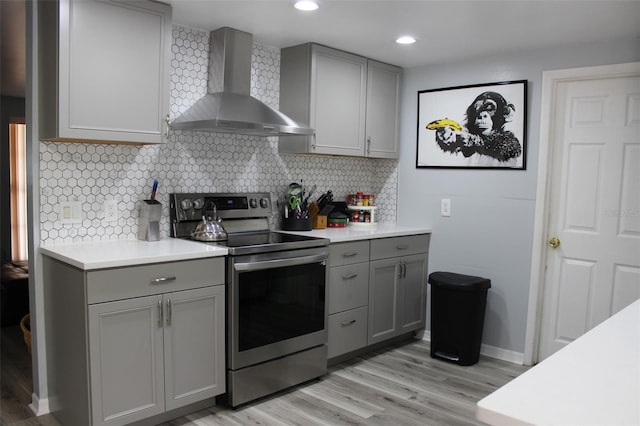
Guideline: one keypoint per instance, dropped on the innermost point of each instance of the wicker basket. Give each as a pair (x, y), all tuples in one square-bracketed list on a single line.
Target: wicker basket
[(25, 326)]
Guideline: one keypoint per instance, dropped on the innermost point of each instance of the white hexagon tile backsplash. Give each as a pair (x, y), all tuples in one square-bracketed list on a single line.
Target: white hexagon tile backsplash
[(91, 174)]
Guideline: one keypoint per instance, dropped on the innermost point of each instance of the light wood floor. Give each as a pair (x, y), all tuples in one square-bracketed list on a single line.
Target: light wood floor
[(400, 385)]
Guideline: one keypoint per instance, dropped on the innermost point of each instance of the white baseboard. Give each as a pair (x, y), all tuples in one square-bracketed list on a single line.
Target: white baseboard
[(39, 406), (502, 354), (490, 351)]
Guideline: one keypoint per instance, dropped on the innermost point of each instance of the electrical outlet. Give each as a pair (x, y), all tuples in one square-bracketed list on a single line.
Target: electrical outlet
[(445, 207), (111, 210)]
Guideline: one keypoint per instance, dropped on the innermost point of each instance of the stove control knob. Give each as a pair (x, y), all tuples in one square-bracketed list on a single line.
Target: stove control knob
[(264, 203), (198, 203), (185, 204), (253, 203)]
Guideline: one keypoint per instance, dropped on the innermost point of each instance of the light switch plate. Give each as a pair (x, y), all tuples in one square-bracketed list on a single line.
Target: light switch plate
[(70, 212), (445, 207)]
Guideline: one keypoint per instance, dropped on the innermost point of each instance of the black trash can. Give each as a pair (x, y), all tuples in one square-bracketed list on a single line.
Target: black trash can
[(457, 316)]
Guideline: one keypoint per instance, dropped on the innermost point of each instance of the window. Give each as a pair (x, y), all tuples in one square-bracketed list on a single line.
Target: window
[(18, 182)]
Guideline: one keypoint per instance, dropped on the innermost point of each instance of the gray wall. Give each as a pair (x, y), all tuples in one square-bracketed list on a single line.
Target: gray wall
[(490, 230)]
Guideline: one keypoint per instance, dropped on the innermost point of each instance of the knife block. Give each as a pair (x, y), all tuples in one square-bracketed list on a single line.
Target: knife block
[(149, 220), (317, 221)]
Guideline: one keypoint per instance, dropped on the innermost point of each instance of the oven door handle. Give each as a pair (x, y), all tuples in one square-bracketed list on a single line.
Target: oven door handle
[(279, 263)]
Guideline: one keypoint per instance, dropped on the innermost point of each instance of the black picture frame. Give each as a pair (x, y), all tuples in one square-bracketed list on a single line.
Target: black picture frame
[(481, 126)]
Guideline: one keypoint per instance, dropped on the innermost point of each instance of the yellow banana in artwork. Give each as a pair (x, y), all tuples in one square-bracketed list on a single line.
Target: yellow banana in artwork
[(441, 124)]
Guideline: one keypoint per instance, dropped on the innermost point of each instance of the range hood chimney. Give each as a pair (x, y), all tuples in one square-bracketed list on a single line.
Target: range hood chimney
[(228, 107)]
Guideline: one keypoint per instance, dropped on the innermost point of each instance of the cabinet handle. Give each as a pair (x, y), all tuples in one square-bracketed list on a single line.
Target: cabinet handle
[(402, 269), (347, 323), (313, 144), (162, 280), (368, 145), (168, 311), (402, 247), (167, 127), (350, 254), (160, 313), (350, 276)]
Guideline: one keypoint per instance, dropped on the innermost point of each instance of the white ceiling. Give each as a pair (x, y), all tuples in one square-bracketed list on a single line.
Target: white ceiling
[(446, 30)]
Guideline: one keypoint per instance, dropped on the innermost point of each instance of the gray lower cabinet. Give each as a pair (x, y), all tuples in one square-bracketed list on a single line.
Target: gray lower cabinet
[(126, 344), (397, 286), (377, 291), (348, 297), (397, 296)]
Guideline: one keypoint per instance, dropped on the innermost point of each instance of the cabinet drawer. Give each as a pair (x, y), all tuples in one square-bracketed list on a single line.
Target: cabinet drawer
[(348, 287), (348, 253), (347, 331), (399, 246), (136, 281)]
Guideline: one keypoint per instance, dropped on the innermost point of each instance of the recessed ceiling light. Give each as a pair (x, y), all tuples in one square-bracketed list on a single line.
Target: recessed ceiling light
[(306, 5), (405, 40)]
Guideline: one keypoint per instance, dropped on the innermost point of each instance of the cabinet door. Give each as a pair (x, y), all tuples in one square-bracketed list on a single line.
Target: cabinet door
[(383, 96), (194, 345), (338, 101), (126, 360), (114, 70), (383, 299), (413, 293)]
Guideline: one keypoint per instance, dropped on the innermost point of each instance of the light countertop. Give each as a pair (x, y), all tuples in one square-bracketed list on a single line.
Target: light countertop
[(340, 235), (112, 254), (595, 380)]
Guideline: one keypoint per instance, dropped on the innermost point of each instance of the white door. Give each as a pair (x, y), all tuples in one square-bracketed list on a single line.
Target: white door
[(594, 210)]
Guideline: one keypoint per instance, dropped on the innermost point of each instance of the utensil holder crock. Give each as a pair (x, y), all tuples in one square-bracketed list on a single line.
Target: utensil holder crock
[(149, 220)]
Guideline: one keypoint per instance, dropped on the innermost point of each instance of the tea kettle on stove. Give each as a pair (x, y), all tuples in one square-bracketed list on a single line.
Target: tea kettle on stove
[(210, 229)]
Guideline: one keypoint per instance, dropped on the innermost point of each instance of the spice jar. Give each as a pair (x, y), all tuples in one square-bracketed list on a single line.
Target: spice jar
[(372, 200), (355, 216), (365, 200), (367, 217), (359, 199)]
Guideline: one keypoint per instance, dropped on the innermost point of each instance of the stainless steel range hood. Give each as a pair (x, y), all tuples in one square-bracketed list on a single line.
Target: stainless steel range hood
[(228, 107)]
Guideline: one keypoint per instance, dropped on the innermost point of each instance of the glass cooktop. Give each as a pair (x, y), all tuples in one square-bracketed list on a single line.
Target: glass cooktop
[(260, 242)]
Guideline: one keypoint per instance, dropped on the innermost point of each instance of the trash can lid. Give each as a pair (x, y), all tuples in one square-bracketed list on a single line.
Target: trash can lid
[(458, 281)]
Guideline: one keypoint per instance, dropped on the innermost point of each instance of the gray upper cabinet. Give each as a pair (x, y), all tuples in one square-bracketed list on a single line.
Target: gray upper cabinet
[(104, 71), (351, 102), (383, 97)]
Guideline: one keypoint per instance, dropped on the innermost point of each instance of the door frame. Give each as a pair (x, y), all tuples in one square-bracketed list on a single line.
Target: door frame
[(550, 82)]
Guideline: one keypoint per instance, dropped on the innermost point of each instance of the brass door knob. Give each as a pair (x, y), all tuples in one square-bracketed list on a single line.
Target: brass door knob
[(554, 242)]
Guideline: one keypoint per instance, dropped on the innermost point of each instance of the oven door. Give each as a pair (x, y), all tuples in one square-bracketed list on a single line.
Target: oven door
[(277, 305)]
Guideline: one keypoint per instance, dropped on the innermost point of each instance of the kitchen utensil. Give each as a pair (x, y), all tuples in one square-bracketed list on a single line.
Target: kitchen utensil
[(153, 190), (295, 188), (211, 228), (305, 202), (149, 220)]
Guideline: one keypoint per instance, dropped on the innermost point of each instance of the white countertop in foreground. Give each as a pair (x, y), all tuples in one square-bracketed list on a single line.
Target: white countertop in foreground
[(340, 235), (112, 254), (594, 380)]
